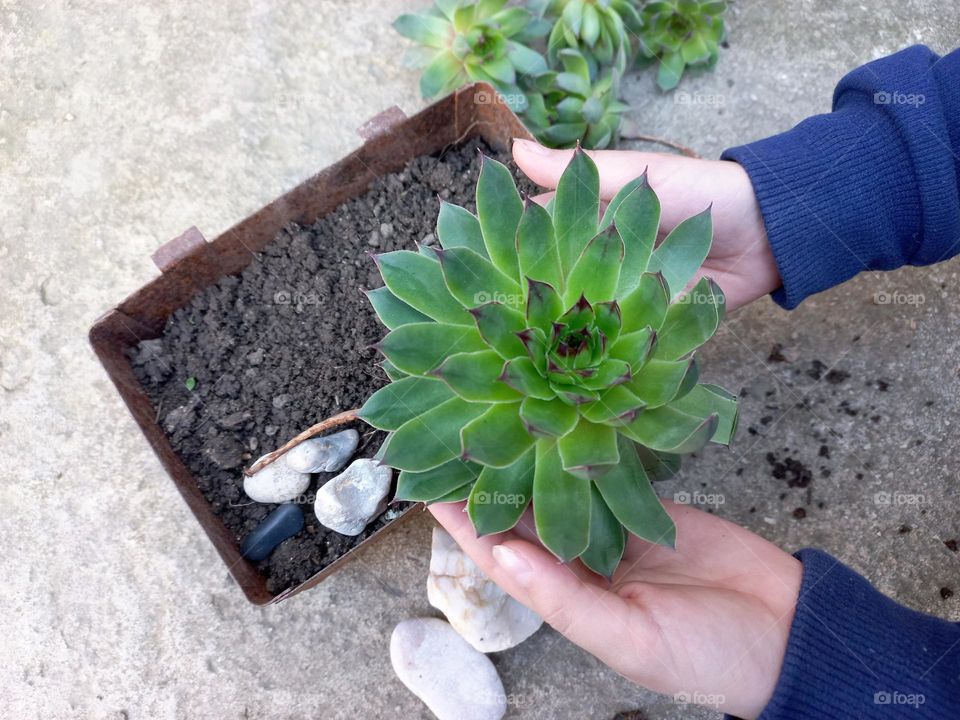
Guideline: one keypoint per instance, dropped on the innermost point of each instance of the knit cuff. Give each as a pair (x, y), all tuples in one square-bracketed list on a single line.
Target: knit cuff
[(854, 653)]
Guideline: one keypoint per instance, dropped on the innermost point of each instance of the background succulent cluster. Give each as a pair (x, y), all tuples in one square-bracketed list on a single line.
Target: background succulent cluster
[(559, 63), (548, 354)]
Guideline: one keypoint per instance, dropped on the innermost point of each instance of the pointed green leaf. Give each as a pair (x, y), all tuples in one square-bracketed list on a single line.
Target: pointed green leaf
[(401, 401), (574, 395), (670, 71), (646, 306), (544, 305), (610, 373), (432, 438), (607, 539), (608, 320), (536, 247), (683, 251), (437, 482), (630, 497), (579, 316), (392, 371), (611, 210), (548, 418), (500, 495), (577, 208), (418, 348), (496, 438), (458, 227), (423, 28), (392, 311), (441, 75), (521, 374), (660, 381), (474, 377), (597, 270), (473, 280), (534, 340), (456, 495), (658, 466), (499, 209), (561, 504), (636, 221), (418, 281), (691, 320), (498, 326), (706, 399), (667, 429), (635, 348), (616, 406), (589, 450)]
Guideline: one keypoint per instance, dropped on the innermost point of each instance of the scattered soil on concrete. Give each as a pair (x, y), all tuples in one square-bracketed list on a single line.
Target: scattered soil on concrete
[(257, 358)]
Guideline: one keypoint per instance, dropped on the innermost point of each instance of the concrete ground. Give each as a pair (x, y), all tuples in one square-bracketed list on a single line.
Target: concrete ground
[(122, 125)]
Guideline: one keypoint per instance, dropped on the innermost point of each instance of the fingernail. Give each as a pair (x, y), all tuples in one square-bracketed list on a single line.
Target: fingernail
[(530, 146), (513, 564)]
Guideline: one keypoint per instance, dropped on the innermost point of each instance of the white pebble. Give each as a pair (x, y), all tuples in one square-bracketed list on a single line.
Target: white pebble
[(323, 454), (353, 498), (276, 483), (439, 667), (483, 614)]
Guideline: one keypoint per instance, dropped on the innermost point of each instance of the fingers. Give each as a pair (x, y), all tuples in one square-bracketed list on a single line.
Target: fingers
[(596, 619), (617, 167)]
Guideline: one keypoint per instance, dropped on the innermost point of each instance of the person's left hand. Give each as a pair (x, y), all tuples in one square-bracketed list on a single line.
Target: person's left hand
[(708, 621)]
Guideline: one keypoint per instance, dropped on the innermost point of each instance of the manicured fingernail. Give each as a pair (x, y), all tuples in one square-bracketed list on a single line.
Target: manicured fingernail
[(513, 564), (530, 146)]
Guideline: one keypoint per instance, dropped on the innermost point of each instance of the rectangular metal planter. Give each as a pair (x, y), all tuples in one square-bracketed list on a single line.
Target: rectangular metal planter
[(189, 264)]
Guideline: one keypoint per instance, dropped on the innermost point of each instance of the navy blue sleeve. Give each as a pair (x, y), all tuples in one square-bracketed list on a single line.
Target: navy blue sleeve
[(854, 653), (872, 185)]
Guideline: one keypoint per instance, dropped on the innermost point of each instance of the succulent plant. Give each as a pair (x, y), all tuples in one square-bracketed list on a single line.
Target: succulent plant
[(566, 107), (541, 354), (482, 41), (681, 33), (601, 30)]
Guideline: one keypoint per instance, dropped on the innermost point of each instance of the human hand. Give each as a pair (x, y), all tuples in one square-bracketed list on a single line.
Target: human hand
[(740, 260), (709, 620)]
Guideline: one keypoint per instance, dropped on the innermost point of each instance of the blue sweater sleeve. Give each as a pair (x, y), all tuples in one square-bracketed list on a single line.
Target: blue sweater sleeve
[(872, 185), (854, 653)]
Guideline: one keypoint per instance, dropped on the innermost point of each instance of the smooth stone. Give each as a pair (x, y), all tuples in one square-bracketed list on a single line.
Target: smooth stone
[(323, 454), (349, 501), (276, 483), (284, 522), (438, 666), (483, 614)]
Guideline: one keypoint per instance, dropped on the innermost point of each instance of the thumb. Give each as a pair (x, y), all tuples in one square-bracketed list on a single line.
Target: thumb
[(585, 613)]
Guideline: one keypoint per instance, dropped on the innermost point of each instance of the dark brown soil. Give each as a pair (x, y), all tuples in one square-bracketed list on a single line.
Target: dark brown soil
[(259, 357)]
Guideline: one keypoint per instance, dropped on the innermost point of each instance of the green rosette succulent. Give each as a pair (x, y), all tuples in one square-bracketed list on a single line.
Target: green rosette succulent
[(566, 107), (601, 30), (681, 34), (540, 354), (462, 42)]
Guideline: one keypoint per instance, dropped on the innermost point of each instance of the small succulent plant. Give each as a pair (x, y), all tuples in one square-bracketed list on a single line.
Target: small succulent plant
[(566, 107), (601, 30), (681, 34), (548, 354), (462, 42)]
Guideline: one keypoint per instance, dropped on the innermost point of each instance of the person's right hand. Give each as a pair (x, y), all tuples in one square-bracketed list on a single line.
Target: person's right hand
[(707, 623), (740, 260)]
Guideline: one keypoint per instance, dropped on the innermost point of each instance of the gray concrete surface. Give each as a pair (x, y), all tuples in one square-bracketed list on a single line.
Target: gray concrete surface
[(122, 125)]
